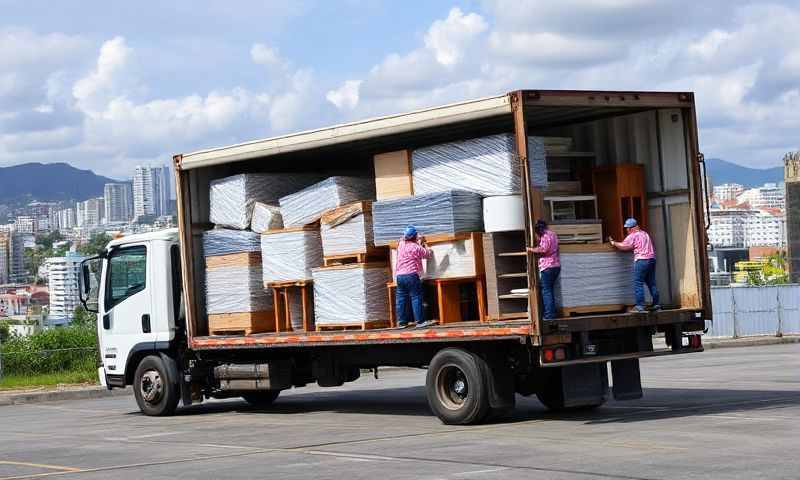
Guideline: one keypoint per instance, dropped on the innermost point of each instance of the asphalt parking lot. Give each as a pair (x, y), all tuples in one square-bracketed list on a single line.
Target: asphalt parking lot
[(728, 413)]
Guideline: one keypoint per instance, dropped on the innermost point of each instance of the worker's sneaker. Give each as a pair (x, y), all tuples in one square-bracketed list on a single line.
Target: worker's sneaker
[(638, 309), (401, 326), (426, 324), (655, 308)]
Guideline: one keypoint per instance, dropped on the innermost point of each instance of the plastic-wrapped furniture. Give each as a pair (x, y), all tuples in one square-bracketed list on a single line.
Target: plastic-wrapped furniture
[(289, 255), (351, 296), (266, 217), (308, 205), (347, 234)]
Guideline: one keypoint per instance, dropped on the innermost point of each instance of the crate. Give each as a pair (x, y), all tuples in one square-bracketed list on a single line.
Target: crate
[(374, 254), (294, 307), (243, 323), (448, 300), (393, 175), (584, 232)]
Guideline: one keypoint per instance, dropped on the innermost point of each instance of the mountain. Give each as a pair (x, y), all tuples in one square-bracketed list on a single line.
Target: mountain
[(722, 171), (49, 182)]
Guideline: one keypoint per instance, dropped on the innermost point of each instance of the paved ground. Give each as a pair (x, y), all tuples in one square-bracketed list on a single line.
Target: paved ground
[(728, 413)]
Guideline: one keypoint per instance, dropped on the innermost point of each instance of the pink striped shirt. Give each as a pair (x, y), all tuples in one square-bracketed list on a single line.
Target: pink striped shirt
[(409, 257), (548, 250), (642, 245)]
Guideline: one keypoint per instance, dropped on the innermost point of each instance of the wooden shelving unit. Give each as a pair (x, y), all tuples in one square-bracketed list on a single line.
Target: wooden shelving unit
[(506, 270)]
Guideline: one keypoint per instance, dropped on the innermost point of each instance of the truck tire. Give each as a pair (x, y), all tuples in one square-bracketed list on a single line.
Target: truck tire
[(457, 388), (154, 386), (261, 399)]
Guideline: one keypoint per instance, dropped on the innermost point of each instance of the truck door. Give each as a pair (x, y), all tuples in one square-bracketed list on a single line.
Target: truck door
[(125, 306)]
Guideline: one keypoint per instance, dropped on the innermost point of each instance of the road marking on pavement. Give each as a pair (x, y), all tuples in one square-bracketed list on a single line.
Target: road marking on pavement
[(476, 472), (60, 468)]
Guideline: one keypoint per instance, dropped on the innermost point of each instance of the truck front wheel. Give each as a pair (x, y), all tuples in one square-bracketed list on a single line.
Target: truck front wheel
[(456, 387), (154, 387)]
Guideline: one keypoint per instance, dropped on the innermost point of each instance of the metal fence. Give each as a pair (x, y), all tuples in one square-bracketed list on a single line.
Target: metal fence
[(745, 311)]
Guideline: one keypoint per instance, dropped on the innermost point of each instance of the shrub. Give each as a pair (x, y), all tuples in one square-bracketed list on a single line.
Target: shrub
[(54, 350)]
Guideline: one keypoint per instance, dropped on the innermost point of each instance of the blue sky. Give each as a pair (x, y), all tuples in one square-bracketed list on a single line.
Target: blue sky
[(108, 85)]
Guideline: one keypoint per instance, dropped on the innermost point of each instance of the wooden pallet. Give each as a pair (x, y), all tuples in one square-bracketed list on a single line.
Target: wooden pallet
[(243, 323), (374, 254), (282, 297), (368, 325), (590, 309), (288, 283), (243, 259)]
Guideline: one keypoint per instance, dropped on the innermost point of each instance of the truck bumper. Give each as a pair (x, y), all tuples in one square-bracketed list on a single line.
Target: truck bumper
[(101, 374), (623, 356)]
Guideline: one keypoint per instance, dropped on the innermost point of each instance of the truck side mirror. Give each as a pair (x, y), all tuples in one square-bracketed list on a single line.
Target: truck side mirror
[(89, 287)]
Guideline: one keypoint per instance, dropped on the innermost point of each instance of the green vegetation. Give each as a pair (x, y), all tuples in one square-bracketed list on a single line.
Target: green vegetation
[(56, 355), (95, 245), (35, 257), (771, 271)]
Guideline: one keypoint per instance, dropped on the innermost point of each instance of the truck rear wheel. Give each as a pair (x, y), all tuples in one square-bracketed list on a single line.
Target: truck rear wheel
[(456, 387), (262, 398), (154, 387)]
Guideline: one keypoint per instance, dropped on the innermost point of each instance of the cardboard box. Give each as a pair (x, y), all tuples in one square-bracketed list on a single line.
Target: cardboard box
[(393, 175)]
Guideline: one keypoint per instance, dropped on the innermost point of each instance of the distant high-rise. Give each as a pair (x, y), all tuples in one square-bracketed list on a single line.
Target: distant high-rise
[(66, 219), (12, 260), (63, 273), (118, 199), (151, 191), (91, 213)]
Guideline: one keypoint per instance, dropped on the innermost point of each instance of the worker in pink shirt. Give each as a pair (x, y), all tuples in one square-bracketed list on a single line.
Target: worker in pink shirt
[(411, 250), (549, 266), (644, 262)]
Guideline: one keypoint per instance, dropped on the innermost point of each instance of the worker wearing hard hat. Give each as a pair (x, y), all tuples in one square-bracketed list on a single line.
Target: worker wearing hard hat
[(411, 250), (549, 266), (644, 263)]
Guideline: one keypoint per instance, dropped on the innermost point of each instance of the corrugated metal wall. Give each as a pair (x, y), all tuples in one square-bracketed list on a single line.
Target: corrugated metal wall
[(743, 311)]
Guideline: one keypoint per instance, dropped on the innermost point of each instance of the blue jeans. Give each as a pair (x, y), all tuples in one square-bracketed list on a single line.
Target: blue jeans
[(547, 279), (409, 287), (644, 273)]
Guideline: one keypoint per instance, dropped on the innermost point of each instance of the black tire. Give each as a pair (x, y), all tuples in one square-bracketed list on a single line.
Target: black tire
[(155, 387), (457, 388), (262, 398)]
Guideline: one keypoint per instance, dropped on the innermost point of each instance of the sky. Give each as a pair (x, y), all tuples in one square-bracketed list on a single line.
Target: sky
[(108, 85)]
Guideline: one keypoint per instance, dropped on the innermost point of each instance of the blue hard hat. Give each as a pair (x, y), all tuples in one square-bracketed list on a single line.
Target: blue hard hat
[(410, 231), (630, 223)]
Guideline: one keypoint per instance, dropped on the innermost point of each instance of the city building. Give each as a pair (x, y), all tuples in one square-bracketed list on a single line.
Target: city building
[(727, 191), (770, 195), (118, 199), (91, 213), (66, 219), (12, 258), (151, 191), (26, 224), (744, 228), (63, 278)]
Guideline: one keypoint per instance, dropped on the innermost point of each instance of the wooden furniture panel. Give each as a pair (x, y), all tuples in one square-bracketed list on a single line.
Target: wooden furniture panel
[(620, 191), (241, 323), (393, 175)]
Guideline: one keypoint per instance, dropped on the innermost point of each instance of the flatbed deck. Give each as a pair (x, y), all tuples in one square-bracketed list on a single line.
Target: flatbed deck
[(467, 331)]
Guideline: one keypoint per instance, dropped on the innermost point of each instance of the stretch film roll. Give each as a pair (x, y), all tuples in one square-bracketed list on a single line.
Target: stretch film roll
[(503, 214)]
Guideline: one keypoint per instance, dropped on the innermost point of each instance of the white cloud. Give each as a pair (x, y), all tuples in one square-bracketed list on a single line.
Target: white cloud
[(264, 55), (346, 96), (98, 86), (450, 38), (553, 49)]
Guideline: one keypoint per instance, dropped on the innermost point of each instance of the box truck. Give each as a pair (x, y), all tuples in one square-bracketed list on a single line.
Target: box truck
[(148, 289)]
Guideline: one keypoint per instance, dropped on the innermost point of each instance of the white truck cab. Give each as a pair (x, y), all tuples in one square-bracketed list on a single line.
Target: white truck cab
[(134, 286)]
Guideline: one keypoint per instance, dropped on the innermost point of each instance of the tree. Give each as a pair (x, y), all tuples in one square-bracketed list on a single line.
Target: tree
[(771, 272), (82, 317), (95, 245), (5, 331)]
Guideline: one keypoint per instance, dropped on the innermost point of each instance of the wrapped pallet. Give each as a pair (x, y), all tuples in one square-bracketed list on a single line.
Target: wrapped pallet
[(236, 301), (308, 205), (486, 165), (266, 217), (347, 230), (289, 255), (224, 241), (232, 198), (447, 212), (459, 257), (351, 295), (594, 276)]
